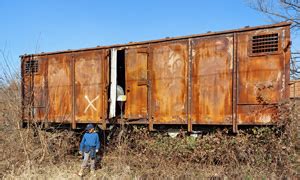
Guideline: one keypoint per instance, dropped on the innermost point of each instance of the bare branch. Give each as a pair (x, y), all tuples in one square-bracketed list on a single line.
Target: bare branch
[(283, 10), (292, 3)]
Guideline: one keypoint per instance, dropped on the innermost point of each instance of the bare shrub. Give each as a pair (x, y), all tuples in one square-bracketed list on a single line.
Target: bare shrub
[(269, 151), (26, 147)]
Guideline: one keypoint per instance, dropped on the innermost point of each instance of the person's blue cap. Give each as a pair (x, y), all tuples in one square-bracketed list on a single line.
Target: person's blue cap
[(89, 127)]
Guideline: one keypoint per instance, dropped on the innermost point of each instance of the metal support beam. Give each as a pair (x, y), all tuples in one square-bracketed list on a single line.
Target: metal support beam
[(189, 84), (234, 86), (72, 66)]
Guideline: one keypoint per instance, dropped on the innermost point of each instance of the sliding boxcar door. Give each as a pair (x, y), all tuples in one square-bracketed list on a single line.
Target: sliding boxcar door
[(136, 63)]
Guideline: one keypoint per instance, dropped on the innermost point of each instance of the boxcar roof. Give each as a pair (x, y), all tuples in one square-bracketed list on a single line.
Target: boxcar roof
[(281, 24)]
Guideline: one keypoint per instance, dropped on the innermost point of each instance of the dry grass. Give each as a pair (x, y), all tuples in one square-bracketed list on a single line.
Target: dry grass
[(25, 149), (253, 153)]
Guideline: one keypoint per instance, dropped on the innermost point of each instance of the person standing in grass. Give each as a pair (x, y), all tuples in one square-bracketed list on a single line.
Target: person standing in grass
[(89, 146)]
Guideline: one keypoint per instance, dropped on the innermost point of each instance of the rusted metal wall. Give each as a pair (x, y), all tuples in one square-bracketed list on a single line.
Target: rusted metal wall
[(68, 88), (136, 74), (90, 86), (209, 79), (262, 79), (59, 88), (212, 80), (168, 63), (34, 90)]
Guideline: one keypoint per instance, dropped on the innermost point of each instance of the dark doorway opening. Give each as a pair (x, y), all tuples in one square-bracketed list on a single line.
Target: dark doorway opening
[(121, 84)]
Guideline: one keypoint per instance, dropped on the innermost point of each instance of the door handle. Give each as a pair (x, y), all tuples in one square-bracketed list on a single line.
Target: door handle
[(142, 83)]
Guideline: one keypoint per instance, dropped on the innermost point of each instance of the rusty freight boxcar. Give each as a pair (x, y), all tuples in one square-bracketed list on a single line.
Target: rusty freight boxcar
[(234, 77)]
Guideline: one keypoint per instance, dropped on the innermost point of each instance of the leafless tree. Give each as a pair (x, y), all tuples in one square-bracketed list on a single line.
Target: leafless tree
[(283, 10)]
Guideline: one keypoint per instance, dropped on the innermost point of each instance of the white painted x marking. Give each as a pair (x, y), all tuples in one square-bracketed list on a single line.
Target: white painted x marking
[(90, 103)]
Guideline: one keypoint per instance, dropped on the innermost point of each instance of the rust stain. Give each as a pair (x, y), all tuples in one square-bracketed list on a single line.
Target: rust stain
[(169, 72), (256, 114), (136, 64), (216, 78), (212, 80), (89, 86), (261, 78), (59, 88)]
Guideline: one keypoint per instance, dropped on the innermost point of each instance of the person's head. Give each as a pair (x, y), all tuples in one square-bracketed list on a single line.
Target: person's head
[(90, 128)]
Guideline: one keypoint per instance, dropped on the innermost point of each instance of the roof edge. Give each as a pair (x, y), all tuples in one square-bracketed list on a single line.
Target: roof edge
[(280, 24)]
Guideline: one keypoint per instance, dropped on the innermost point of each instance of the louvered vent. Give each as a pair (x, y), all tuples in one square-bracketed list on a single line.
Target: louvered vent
[(31, 66), (267, 43)]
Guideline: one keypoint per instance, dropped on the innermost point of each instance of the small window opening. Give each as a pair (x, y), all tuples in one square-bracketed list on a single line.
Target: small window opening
[(121, 84), (31, 66), (267, 43)]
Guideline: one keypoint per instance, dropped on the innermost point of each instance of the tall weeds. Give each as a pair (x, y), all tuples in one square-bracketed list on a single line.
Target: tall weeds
[(255, 152), (25, 147)]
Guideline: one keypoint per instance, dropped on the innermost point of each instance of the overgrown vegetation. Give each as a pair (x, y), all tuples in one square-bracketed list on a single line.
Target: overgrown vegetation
[(25, 149), (252, 153), (30, 147)]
